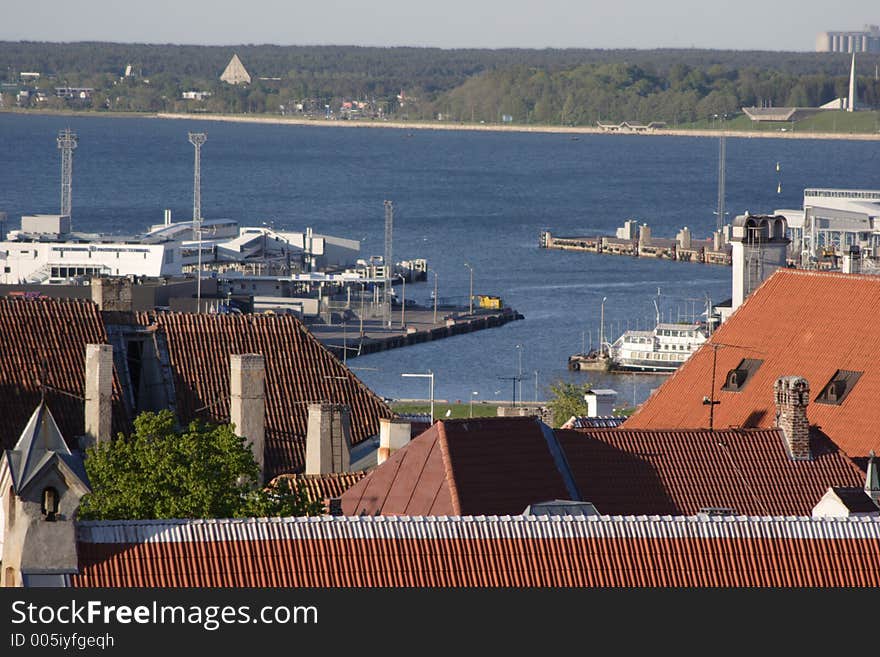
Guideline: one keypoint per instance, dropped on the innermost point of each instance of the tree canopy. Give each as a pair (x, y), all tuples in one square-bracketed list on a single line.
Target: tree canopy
[(201, 471), (567, 400)]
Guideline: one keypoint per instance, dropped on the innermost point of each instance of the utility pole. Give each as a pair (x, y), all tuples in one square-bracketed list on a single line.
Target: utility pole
[(197, 139), (435, 295)]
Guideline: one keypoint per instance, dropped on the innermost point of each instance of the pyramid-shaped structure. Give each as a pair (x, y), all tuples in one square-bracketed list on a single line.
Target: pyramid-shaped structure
[(235, 72)]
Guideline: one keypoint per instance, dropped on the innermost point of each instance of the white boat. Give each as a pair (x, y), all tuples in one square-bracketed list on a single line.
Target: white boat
[(662, 350)]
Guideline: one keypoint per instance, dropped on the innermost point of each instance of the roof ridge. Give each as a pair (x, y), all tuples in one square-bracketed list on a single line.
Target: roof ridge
[(447, 466)]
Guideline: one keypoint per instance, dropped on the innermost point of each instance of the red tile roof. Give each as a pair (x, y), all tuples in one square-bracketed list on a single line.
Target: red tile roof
[(474, 466), (57, 331), (299, 370), (632, 472), (484, 552), (803, 323), (321, 487)]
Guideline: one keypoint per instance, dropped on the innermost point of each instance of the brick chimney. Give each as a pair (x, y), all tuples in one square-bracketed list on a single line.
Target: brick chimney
[(792, 394), (99, 393), (328, 439), (394, 433), (112, 293), (247, 403)]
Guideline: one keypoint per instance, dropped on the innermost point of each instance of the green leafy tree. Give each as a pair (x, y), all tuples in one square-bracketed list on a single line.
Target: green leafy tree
[(201, 471), (566, 400)]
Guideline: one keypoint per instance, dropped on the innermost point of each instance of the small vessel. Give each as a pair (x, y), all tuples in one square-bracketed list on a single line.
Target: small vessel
[(595, 360), (662, 350)]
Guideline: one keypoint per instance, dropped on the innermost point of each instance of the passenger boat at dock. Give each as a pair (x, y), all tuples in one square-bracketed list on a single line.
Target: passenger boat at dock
[(662, 350)]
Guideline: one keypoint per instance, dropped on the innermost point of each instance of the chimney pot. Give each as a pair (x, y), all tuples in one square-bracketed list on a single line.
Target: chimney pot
[(394, 433), (247, 402), (328, 440), (792, 394), (99, 393)]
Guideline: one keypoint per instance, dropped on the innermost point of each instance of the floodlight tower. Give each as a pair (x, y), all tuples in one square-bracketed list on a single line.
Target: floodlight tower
[(389, 264), (66, 143), (722, 156), (197, 139)]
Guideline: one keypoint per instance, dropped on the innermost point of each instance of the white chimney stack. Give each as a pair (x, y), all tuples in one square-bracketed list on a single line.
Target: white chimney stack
[(328, 439), (247, 403), (99, 393), (394, 433)]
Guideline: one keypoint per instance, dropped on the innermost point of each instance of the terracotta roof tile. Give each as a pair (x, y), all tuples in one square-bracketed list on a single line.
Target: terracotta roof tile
[(474, 466), (321, 487), (57, 331), (803, 323), (487, 551), (299, 370), (632, 472)]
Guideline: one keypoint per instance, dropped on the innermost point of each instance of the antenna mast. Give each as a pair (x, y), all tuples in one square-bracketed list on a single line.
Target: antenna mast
[(389, 264), (722, 148), (66, 144), (197, 139)]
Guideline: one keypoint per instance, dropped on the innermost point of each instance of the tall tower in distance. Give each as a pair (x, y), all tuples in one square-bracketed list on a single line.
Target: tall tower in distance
[(197, 139), (66, 144), (851, 103)]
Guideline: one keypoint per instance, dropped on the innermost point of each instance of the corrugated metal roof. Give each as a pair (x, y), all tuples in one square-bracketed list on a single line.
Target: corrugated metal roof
[(482, 551), (586, 422), (803, 323)]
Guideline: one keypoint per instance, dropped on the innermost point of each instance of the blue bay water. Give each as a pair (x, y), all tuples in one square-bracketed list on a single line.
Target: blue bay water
[(475, 197)]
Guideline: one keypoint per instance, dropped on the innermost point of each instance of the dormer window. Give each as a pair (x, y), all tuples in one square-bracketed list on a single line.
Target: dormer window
[(738, 377), (840, 385), (49, 503)]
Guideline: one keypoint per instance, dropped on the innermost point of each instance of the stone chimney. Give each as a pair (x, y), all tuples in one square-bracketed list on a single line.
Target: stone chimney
[(111, 293), (872, 480), (328, 440), (247, 402), (792, 394), (394, 433), (99, 393)]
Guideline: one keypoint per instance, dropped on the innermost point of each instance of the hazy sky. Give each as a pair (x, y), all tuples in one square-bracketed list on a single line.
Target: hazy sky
[(725, 24)]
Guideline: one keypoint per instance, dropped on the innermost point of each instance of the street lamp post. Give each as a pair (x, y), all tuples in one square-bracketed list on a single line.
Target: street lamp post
[(471, 295), (429, 375), (473, 394), (519, 350), (602, 327), (435, 294), (402, 302)]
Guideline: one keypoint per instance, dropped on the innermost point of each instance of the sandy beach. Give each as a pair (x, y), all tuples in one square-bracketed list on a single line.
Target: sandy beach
[(572, 130)]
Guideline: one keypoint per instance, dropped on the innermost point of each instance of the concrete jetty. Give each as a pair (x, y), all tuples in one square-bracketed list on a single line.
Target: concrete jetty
[(355, 338)]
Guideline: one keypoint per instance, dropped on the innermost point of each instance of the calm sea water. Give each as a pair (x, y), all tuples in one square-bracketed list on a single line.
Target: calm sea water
[(475, 197)]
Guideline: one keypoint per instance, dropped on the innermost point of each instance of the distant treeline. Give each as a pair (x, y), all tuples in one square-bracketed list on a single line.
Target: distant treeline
[(576, 87)]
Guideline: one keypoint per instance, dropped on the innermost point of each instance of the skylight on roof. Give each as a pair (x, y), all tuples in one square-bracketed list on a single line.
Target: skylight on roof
[(738, 377), (836, 390)]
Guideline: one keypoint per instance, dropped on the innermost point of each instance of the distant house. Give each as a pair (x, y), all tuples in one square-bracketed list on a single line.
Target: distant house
[(629, 126), (235, 72), (195, 95)]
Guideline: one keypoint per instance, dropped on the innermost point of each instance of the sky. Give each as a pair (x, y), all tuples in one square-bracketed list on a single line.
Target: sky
[(727, 24)]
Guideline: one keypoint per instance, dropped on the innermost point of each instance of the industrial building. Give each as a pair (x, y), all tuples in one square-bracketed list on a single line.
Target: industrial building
[(867, 40)]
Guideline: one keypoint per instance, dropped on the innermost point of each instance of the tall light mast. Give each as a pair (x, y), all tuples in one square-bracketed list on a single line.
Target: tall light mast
[(67, 141), (389, 264), (197, 139)]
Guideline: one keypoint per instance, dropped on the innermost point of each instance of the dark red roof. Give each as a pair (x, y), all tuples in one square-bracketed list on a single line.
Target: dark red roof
[(482, 552), (55, 331), (633, 472), (299, 370), (474, 466), (321, 487), (803, 323)]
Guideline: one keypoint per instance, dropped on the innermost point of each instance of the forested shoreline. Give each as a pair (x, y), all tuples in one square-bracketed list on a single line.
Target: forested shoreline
[(548, 87)]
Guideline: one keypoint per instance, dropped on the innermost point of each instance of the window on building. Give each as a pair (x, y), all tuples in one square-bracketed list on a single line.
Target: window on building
[(837, 389), (738, 377), (49, 503)]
